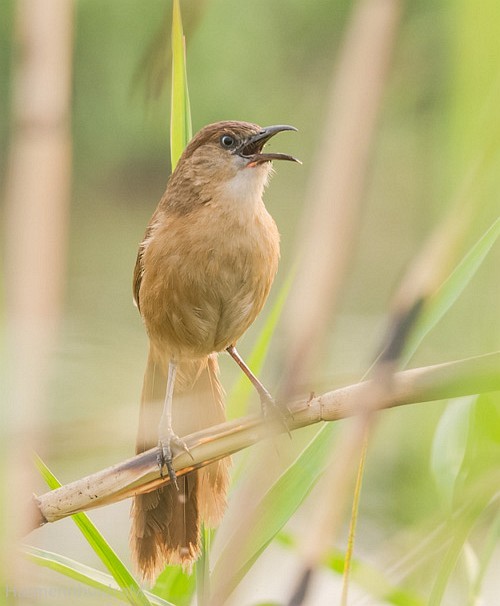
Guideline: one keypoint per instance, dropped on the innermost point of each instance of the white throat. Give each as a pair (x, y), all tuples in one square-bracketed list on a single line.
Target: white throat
[(245, 189)]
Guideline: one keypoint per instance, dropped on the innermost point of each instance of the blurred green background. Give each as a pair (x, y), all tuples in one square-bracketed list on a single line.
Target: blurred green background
[(267, 62)]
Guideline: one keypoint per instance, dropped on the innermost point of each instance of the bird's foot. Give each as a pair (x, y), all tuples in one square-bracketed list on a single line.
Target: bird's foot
[(273, 411), (166, 444)]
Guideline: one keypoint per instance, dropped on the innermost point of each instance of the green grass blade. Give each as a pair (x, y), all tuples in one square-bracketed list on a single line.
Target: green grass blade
[(83, 574), (450, 445), (238, 398), (465, 453), (180, 117), (175, 585), (449, 561), (125, 580), (275, 509), (451, 289)]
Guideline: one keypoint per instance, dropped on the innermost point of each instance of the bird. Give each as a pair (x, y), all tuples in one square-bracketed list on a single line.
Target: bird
[(203, 273)]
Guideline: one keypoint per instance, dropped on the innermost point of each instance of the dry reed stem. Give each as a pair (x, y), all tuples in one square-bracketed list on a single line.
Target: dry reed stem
[(141, 474), (333, 203), (338, 186)]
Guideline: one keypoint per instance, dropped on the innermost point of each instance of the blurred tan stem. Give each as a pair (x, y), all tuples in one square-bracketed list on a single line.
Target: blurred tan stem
[(335, 199), (37, 195), (333, 204)]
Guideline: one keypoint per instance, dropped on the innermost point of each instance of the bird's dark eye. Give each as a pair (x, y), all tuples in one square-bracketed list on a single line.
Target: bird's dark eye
[(227, 141)]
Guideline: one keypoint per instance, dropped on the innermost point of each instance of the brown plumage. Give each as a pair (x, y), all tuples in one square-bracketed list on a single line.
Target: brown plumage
[(203, 273)]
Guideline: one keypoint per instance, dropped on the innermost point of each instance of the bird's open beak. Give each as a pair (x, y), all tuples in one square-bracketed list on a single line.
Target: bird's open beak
[(252, 147)]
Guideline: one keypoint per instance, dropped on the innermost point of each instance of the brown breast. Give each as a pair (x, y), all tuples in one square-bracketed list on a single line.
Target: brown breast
[(205, 277)]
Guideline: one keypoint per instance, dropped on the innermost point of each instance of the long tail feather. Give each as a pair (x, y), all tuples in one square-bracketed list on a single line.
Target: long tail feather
[(166, 522)]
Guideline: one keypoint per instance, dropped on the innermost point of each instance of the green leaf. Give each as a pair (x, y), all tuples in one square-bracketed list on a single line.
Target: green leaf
[(175, 585), (466, 446), (274, 510), (180, 117), (482, 455), (125, 580), (488, 419), (466, 454), (451, 289), (83, 574), (449, 446), (459, 529)]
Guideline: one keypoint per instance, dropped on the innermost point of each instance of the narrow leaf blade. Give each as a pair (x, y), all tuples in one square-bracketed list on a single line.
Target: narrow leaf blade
[(180, 117), (275, 509), (175, 585), (450, 445), (83, 574), (125, 580), (451, 289)]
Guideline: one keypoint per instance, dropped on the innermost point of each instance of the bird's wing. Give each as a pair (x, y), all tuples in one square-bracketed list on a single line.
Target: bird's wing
[(139, 266)]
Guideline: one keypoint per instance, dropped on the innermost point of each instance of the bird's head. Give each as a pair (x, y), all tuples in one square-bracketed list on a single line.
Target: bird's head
[(230, 154)]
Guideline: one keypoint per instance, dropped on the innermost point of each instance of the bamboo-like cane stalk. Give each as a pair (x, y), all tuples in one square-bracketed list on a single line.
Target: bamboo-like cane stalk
[(141, 474)]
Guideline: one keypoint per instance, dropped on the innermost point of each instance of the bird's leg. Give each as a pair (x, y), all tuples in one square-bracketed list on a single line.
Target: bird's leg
[(267, 402), (166, 436)]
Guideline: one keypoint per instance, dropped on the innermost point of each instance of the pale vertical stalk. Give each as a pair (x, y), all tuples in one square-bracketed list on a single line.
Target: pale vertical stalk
[(37, 195), (333, 203), (328, 242)]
